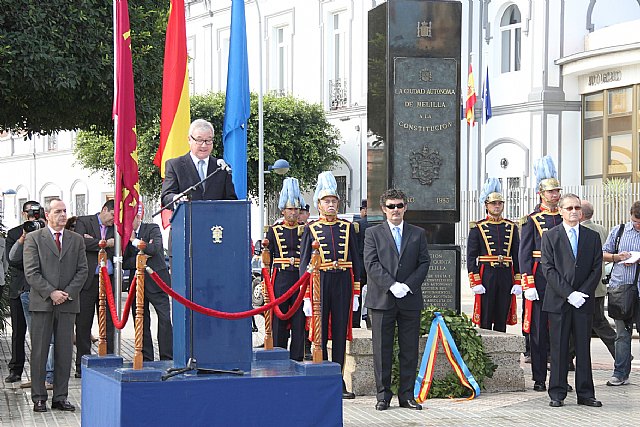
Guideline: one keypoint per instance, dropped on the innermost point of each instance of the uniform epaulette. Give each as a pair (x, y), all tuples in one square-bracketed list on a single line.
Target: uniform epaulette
[(508, 220), (523, 220), (356, 226), (266, 228), (301, 229), (473, 224)]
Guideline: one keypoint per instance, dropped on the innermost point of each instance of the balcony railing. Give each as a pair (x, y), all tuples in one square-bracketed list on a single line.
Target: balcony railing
[(338, 94)]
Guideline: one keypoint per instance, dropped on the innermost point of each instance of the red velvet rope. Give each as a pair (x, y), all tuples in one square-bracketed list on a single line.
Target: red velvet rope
[(296, 304), (221, 314), (112, 306)]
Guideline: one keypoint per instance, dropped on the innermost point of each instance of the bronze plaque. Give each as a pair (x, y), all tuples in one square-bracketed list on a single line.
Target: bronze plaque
[(441, 288)]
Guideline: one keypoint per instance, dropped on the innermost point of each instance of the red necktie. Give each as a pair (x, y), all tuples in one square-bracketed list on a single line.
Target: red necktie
[(58, 241)]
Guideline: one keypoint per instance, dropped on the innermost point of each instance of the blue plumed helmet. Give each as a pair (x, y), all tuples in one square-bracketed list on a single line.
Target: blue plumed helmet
[(327, 186), (491, 191), (546, 174), (290, 196)]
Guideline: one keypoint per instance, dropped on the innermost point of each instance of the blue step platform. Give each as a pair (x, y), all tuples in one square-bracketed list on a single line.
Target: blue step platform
[(276, 392)]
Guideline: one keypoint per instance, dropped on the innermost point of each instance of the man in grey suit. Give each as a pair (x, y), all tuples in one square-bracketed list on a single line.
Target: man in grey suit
[(397, 261), (572, 265), (55, 265)]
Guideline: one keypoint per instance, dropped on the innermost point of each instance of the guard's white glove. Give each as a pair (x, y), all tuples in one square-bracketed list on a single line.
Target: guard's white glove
[(531, 294), (516, 290), (577, 298), (306, 307), (478, 289), (356, 303), (397, 290)]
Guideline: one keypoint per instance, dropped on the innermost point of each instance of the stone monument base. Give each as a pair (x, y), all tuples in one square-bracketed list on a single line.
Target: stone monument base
[(504, 349)]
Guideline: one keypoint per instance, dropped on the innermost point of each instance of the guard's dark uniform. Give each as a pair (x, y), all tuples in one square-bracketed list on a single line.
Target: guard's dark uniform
[(492, 261), (533, 226), (284, 245), (339, 279)]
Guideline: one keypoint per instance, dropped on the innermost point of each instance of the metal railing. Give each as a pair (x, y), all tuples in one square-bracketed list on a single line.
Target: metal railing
[(611, 206)]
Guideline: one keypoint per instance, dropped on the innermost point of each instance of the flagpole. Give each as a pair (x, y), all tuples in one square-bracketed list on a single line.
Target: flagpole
[(117, 259), (262, 208)]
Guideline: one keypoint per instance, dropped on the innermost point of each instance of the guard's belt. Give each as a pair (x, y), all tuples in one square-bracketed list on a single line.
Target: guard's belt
[(335, 265), (495, 259), (287, 262)]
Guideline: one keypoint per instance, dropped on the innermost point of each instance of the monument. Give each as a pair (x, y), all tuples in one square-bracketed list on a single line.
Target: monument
[(413, 111)]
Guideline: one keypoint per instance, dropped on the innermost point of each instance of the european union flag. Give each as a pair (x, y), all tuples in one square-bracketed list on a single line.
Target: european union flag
[(236, 109), (486, 98)]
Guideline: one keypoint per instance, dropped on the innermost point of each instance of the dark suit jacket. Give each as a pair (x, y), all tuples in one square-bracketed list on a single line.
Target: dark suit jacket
[(384, 266), (565, 274), (46, 270), (18, 282), (181, 173), (152, 236), (89, 224)]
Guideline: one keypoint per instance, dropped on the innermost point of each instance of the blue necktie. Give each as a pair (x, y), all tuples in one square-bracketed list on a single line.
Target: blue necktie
[(201, 171), (573, 239), (397, 237)]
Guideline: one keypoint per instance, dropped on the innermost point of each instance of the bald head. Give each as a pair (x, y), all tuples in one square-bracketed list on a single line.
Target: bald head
[(587, 210)]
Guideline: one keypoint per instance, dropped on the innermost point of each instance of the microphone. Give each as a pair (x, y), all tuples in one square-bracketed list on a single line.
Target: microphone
[(223, 165)]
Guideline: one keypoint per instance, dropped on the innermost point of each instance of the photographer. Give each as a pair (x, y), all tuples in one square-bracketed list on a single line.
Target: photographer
[(31, 214)]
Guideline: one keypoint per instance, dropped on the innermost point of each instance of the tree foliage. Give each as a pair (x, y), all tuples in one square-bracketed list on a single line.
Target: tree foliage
[(56, 63), (293, 130)]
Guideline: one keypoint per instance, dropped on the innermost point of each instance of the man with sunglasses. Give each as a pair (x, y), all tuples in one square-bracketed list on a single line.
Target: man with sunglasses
[(397, 261), (191, 168), (492, 263), (572, 265)]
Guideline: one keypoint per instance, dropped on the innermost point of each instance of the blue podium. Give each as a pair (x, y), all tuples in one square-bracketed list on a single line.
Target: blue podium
[(212, 267)]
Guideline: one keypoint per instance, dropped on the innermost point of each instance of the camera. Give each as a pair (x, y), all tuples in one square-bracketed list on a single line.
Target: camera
[(36, 211), (29, 226)]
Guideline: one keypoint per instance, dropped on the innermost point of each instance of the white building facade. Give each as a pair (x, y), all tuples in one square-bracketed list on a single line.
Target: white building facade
[(564, 78)]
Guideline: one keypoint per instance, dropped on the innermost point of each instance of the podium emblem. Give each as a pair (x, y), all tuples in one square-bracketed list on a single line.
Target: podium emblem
[(216, 233)]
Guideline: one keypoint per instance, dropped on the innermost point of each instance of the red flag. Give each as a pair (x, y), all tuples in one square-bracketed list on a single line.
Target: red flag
[(124, 115), (471, 99)]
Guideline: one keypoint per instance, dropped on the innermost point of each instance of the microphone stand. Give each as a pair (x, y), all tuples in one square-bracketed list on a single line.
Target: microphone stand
[(192, 363)]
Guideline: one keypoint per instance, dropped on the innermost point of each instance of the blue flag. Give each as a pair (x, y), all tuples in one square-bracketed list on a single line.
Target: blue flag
[(236, 108), (486, 98)]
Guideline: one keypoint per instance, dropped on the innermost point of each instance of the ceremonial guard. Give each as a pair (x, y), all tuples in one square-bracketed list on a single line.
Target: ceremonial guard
[(339, 270), (492, 263), (284, 245), (543, 218)]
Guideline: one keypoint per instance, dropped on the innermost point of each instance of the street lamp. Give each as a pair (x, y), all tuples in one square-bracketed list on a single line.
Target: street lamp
[(280, 167)]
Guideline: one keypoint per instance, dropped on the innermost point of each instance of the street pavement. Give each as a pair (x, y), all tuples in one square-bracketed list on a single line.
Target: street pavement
[(620, 404)]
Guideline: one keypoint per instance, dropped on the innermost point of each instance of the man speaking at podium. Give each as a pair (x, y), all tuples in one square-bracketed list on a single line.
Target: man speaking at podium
[(185, 171)]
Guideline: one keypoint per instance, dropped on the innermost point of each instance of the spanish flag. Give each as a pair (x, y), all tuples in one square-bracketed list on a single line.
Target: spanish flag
[(124, 115), (471, 99), (175, 117)]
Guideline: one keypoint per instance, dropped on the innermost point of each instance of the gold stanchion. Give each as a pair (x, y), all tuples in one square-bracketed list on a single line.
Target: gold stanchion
[(102, 301), (266, 261), (141, 263), (317, 315)]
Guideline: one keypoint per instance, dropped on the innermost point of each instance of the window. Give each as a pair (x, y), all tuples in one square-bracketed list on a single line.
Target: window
[(341, 182), (511, 33), (52, 142), (610, 136), (223, 57), (81, 200), (337, 62), (280, 60), (191, 64)]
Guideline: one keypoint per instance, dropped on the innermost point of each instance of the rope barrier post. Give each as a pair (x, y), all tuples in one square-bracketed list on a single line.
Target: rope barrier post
[(102, 304), (317, 315), (268, 334), (141, 264)]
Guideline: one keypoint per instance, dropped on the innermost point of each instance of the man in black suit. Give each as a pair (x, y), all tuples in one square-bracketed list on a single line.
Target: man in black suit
[(94, 228), (363, 224), (397, 261), (55, 266), (185, 171), (151, 235), (572, 265)]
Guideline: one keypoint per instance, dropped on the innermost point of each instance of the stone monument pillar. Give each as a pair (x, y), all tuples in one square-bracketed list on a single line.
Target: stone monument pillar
[(413, 114)]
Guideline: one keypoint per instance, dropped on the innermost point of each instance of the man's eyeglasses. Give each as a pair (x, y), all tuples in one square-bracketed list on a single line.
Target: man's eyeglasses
[(570, 208), (395, 205), (201, 141)]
